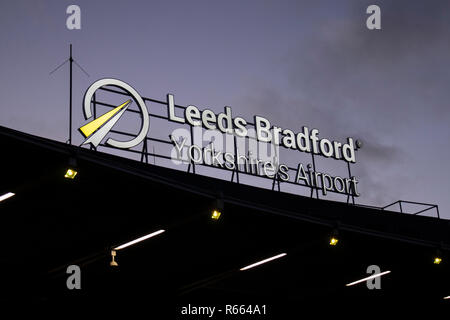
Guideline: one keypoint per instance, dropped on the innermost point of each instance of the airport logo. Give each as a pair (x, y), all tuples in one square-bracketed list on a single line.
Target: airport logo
[(96, 130)]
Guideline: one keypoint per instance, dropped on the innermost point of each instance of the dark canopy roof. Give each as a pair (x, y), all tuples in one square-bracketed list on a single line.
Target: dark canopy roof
[(53, 222)]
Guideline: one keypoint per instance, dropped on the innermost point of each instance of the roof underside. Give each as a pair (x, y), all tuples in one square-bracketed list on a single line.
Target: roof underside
[(54, 222)]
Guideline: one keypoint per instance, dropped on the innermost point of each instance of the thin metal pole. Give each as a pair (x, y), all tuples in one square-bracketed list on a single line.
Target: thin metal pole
[(94, 104), (350, 176), (70, 106), (314, 168), (192, 143)]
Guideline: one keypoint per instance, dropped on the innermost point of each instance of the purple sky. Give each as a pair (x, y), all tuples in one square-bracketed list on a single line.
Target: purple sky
[(298, 63)]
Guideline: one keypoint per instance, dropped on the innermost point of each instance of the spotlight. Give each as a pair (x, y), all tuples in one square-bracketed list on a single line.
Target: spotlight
[(333, 241), (113, 262), (70, 173), (437, 257), (71, 168), (215, 215), (218, 207)]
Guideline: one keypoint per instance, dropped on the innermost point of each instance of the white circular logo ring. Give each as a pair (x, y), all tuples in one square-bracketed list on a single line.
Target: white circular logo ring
[(125, 86)]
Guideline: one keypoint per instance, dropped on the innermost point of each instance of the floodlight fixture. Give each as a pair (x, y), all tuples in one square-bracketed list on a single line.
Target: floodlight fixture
[(70, 173), (215, 215)]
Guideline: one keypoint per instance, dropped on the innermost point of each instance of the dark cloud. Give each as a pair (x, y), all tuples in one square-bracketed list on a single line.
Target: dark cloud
[(385, 87)]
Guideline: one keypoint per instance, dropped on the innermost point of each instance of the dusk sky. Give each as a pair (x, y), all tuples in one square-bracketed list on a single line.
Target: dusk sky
[(298, 63)]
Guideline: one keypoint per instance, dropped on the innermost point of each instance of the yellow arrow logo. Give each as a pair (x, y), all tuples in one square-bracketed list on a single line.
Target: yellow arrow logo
[(94, 125)]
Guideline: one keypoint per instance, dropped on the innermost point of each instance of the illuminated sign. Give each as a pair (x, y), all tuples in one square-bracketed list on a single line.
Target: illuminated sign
[(305, 141), (97, 129), (225, 123)]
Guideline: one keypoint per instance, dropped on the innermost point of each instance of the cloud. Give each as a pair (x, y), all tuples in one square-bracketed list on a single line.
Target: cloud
[(385, 87)]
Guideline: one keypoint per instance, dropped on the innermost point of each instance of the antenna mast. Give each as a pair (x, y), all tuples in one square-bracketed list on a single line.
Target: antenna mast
[(70, 107), (71, 61)]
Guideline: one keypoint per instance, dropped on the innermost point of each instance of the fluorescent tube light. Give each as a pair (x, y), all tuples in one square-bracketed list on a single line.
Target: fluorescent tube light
[(368, 278), (139, 239), (7, 196), (263, 261)]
